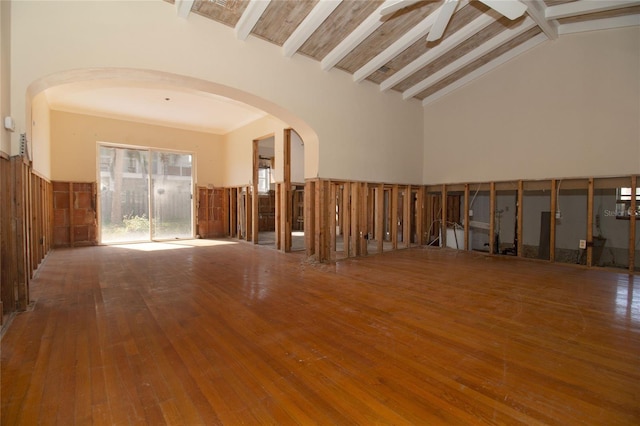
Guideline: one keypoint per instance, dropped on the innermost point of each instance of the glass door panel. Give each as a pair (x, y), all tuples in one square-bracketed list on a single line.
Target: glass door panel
[(171, 183), (124, 195)]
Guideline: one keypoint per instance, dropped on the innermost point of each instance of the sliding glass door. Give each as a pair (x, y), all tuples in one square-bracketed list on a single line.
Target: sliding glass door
[(145, 195), (171, 185)]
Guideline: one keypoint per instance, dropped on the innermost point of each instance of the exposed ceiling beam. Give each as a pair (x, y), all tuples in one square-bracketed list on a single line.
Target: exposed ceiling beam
[(470, 57), (434, 53), (414, 34), (250, 17), (536, 11), (394, 6), (353, 40), (600, 24), (183, 7), (489, 66), (442, 21), (512, 9), (309, 25), (583, 7)]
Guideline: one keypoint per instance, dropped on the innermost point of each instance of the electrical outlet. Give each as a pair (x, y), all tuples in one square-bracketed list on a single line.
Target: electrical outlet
[(470, 213), (583, 244), (558, 215)]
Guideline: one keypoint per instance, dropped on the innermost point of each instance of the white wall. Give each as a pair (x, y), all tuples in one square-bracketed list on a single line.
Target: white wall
[(40, 139), (237, 152), (74, 139), (5, 73), (567, 108), (351, 131), (297, 158)]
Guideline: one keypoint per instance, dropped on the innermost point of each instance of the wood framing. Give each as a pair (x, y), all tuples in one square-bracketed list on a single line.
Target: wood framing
[(344, 215), (370, 213), (443, 215), (285, 200), (632, 224), (466, 216), (394, 217), (249, 212), (278, 218), (7, 236), (233, 212), (255, 219), (25, 230), (590, 194), (211, 213), (310, 217), (552, 220), (322, 209), (406, 217), (355, 219), (380, 218), (492, 218), (75, 221), (420, 216), (363, 235), (520, 219), (226, 206), (333, 220)]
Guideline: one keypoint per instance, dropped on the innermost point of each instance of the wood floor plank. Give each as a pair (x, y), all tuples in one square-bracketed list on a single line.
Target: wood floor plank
[(210, 333)]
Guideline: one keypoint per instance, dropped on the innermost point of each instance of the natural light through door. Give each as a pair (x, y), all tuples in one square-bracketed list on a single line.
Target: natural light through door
[(145, 195), (171, 182)]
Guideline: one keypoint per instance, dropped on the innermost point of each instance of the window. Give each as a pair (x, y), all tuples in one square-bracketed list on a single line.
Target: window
[(623, 203), (624, 194), (264, 180)]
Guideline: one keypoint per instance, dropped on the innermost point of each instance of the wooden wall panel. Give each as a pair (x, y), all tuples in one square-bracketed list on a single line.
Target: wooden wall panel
[(74, 214), (7, 273), (20, 250), (25, 231), (212, 214), (310, 217)]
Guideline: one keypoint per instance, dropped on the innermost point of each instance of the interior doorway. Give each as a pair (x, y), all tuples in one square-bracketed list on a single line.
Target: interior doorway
[(296, 177), (265, 190), (277, 192), (145, 194)]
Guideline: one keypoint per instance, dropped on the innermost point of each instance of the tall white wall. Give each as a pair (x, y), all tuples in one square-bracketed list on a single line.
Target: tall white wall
[(297, 158), (75, 138), (40, 142), (237, 153), (351, 131), (5, 73), (567, 108)]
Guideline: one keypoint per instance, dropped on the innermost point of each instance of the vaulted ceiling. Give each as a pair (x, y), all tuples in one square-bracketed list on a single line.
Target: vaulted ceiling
[(391, 50)]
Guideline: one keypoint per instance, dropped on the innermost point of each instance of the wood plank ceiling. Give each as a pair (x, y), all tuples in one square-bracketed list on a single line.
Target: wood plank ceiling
[(392, 52)]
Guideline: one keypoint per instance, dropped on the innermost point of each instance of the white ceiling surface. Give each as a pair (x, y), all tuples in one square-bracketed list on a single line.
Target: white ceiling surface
[(184, 109)]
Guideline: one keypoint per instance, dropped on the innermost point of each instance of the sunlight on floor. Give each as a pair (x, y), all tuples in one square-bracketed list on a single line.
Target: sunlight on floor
[(201, 242), (172, 245)]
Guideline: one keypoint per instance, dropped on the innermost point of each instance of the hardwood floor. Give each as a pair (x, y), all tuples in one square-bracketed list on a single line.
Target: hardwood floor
[(238, 334)]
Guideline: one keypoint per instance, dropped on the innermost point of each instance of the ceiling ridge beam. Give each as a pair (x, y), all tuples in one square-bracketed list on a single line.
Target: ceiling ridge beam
[(470, 57), (309, 25), (489, 66), (414, 34), (250, 17), (537, 12), (353, 40), (582, 7), (183, 7), (436, 52), (600, 24)]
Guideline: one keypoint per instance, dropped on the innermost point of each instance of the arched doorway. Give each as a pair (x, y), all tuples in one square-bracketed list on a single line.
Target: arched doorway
[(115, 77)]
